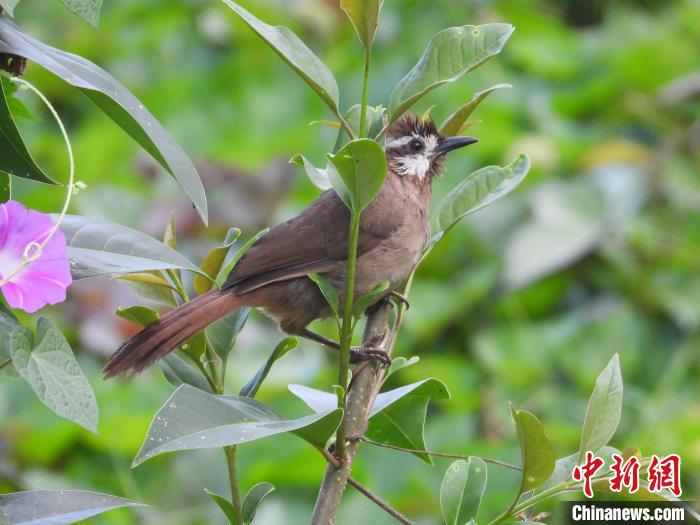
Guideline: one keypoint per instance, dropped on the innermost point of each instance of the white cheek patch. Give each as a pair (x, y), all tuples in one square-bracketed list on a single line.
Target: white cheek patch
[(415, 166)]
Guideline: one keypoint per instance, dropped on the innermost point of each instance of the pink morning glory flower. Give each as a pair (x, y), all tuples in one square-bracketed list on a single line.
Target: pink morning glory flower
[(45, 279)]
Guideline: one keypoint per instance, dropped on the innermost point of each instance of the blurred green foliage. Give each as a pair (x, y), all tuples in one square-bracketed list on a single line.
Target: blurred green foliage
[(525, 301)]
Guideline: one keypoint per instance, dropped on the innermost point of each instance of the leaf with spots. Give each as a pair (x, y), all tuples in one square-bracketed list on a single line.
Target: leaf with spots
[(462, 489), (536, 450), (47, 363), (193, 419)]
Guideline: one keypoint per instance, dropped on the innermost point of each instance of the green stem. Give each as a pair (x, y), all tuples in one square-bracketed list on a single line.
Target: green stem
[(346, 328), (365, 91), (230, 452), (5, 363), (33, 250)]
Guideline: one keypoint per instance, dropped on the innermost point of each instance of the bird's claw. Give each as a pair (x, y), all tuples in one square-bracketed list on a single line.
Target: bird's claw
[(359, 354), (401, 298)]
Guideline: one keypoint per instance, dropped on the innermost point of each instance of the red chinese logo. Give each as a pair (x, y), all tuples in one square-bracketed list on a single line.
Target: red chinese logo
[(625, 474), (586, 471), (665, 474)]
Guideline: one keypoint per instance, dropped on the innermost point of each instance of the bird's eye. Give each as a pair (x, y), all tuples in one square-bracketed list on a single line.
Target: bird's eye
[(415, 145)]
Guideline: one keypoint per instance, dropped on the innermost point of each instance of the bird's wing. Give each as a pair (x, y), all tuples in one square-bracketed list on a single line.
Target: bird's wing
[(313, 242)]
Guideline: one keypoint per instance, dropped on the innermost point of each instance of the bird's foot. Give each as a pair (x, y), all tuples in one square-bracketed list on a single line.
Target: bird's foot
[(366, 352), (401, 298)]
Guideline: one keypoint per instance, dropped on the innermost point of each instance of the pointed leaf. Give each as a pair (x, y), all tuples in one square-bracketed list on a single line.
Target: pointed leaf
[(361, 168), (450, 54), (88, 10), (318, 176), (364, 15), (178, 371), (222, 335), (368, 299), (57, 507), (223, 273), (48, 365), (151, 286), (212, 263), (193, 419), (328, 290), (462, 489), (536, 450), (455, 122), (604, 409), (115, 101), (139, 315), (296, 54), (375, 122), (478, 190), (15, 159), (225, 505), (253, 498), (102, 248), (283, 347), (401, 362)]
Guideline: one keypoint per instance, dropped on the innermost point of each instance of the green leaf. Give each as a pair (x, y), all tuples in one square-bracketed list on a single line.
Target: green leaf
[(48, 365), (252, 500), (604, 408), (115, 101), (151, 286), (328, 290), (223, 273), (103, 248), (9, 6), (450, 54), (8, 323), (478, 190), (462, 489), (88, 10), (225, 505), (364, 15), (368, 299), (454, 123), (212, 263), (222, 335), (296, 54), (170, 235), (17, 108), (318, 176), (283, 347), (59, 507), (536, 450), (400, 362), (360, 169), (179, 371), (5, 188), (15, 159), (375, 123), (139, 315), (193, 419), (397, 417)]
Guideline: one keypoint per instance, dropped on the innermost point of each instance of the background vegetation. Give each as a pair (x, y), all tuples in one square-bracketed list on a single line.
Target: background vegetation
[(596, 253)]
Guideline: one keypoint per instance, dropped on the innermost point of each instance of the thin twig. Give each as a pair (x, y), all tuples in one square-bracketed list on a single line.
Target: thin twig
[(439, 454), (379, 502), (5, 363)]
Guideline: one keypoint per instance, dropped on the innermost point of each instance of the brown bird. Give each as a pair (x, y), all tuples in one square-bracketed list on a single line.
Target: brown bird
[(273, 273)]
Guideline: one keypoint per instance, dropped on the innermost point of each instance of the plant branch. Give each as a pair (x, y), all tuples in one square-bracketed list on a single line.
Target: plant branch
[(379, 502), (440, 454), (5, 363), (365, 92), (367, 381), (230, 452)]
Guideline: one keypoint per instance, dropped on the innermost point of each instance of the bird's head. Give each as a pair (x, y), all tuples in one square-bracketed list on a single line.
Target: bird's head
[(415, 148)]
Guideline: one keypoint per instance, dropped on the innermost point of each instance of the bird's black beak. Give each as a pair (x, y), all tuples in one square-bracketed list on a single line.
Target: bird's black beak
[(448, 144)]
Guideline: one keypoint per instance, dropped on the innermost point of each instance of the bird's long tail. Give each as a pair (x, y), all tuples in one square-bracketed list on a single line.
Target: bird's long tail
[(170, 331)]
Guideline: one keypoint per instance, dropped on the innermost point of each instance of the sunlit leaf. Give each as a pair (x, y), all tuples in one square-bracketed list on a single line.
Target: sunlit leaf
[(57, 507), (364, 15), (397, 363), (15, 159), (151, 286), (252, 500), (450, 54), (328, 290), (296, 54), (318, 176), (193, 419), (462, 489), (139, 315), (47, 363), (225, 505), (226, 269), (536, 451), (478, 190), (604, 409), (360, 169), (102, 248), (88, 10), (283, 347), (212, 263), (116, 102), (454, 123)]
